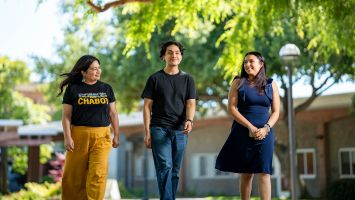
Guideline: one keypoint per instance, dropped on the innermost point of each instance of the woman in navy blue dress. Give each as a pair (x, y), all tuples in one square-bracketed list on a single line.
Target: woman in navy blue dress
[(250, 145)]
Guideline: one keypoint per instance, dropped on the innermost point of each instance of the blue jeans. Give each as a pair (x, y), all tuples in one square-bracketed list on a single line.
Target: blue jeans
[(168, 148)]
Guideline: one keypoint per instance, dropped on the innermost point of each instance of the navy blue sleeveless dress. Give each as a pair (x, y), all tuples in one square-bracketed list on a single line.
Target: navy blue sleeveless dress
[(244, 154)]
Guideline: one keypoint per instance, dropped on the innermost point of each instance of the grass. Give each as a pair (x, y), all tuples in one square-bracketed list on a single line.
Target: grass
[(233, 198), (238, 198)]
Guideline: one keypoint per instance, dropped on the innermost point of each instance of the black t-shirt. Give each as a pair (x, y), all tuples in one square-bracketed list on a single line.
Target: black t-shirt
[(169, 94), (90, 103)]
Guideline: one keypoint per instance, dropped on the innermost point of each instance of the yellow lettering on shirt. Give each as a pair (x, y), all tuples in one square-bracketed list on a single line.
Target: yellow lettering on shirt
[(104, 100), (94, 101)]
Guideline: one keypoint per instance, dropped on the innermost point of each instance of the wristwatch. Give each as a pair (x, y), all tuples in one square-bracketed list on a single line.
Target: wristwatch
[(190, 120)]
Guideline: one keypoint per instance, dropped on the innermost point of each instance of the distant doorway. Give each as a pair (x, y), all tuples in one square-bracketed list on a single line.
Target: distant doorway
[(277, 176)]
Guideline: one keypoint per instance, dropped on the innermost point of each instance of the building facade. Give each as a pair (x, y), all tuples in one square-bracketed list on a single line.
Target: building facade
[(325, 153)]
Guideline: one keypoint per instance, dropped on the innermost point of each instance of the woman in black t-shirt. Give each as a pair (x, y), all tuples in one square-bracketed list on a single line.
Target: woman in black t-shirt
[(88, 110)]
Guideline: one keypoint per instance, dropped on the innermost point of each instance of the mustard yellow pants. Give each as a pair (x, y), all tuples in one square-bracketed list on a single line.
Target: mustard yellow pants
[(86, 168)]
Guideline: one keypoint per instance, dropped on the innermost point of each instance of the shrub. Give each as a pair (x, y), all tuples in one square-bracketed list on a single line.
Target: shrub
[(343, 189), (125, 193), (56, 173), (35, 191)]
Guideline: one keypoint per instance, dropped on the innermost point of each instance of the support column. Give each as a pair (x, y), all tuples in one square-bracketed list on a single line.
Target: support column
[(4, 171), (321, 147), (33, 172), (183, 177)]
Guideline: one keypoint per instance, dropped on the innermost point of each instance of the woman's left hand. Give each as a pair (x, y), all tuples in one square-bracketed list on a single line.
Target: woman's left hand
[(115, 143), (262, 133)]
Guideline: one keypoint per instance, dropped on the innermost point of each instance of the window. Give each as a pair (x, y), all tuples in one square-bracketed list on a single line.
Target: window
[(203, 166), (347, 162), (306, 163), (139, 167), (276, 167)]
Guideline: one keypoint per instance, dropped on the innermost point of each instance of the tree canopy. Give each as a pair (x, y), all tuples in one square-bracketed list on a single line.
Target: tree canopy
[(13, 105), (216, 34)]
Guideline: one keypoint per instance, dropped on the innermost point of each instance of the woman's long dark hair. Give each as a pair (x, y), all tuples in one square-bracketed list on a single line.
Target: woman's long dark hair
[(260, 79), (75, 76)]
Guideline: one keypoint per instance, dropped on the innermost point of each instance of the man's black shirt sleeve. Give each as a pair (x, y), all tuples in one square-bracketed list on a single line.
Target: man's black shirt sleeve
[(148, 91)]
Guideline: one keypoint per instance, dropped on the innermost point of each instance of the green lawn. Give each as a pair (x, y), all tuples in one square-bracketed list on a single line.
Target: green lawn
[(238, 198), (233, 198)]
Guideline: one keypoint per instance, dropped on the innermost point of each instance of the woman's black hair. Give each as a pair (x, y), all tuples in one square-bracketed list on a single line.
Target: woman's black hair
[(260, 79), (75, 76), (165, 45)]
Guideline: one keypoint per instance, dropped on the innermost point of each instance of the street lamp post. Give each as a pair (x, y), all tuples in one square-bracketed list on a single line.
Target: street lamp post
[(288, 53)]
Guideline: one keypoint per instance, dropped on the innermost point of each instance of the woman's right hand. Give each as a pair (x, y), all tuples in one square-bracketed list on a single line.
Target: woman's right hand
[(253, 131), (257, 133), (69, 144)]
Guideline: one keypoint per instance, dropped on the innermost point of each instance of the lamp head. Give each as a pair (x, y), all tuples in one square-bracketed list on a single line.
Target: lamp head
[(289, 52)]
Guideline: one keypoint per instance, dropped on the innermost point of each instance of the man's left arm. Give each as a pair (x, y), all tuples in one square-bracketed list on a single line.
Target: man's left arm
[(190, 113)]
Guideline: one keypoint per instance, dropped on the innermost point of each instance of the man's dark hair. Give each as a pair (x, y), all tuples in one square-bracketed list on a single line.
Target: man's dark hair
[(165, 45)]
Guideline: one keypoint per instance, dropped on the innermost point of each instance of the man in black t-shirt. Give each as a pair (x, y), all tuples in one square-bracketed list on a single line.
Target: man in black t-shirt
[(169, 108)]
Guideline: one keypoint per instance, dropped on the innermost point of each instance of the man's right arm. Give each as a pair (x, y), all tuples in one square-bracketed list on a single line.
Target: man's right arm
[(147, 110)]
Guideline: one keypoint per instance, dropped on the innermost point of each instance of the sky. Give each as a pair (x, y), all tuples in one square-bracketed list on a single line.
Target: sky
[(27, 28)]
